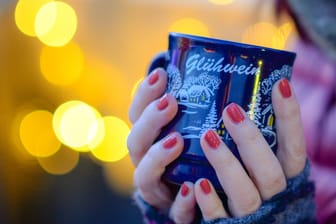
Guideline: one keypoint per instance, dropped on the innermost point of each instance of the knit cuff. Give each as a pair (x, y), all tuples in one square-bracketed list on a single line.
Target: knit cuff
[(151, 215), (293, 205)]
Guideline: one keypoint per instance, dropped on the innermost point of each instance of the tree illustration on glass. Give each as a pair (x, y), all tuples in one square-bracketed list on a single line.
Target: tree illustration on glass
[(174, 80), (210, 120)]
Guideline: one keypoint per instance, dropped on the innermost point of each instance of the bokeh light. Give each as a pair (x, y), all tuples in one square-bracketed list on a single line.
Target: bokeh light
[(36, 134), (135, 87), (113, 147), (267, 35), (25, 14), (121, 182), (221, 2), (75, 124), (102, 83), (280, 39), (62, 65), (190, 26), (56, 23), (61, 162)]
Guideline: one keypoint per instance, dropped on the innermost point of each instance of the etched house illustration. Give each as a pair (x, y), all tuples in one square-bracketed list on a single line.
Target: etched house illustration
[(199, 94)]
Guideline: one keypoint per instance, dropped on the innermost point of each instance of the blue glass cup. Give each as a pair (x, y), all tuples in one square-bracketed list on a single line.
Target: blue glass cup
[(205, 75)]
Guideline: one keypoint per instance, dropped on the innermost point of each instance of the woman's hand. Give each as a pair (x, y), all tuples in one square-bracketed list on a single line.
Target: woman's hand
[(266, 173), (149, 112)]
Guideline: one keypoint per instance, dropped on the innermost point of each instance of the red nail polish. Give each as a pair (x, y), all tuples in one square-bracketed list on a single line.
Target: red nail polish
[(184, 190), (235, 113), (212, 139), (154, 77), (284, 88), (163, 102), (169, 142), (205, 186)]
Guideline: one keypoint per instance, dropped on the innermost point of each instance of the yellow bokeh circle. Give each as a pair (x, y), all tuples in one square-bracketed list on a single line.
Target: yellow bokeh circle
[(136, 86), (268, 35), (56, 23), (37, 135), (190, 26), (25, 14), (221, 2), (113, 146), (75, 125), (62, 65), (64, 161)]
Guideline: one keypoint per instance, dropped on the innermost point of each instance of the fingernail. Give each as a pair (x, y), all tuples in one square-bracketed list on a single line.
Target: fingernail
[(153, 78), (163, 102), (212, 139), (284, 88), (205, 186), (235, 113), (184, 190), (169, 141)]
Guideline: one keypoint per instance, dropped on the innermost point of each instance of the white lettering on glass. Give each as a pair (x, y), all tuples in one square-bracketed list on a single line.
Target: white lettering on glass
[(196, 62)]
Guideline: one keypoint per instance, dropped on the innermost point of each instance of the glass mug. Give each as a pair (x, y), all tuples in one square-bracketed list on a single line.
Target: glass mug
[(205, 75)]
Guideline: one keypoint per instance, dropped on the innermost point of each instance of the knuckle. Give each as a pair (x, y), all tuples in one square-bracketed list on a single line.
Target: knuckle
[(215, 211), (250, 204), (252, 134), (141, 183), (137, 179), (227, 161), (131, 116), (298, 152), (274, 184), (179, 217), (134, 153)]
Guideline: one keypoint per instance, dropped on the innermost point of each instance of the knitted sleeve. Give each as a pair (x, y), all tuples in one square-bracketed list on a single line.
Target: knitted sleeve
[(293, 205)]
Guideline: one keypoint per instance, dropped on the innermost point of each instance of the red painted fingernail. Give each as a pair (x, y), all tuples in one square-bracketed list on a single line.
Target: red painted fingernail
[(169, 142), (163, 102), (184, 190), (284, 88), (212, 139), (235, 113), (205, 186), (153, 78)]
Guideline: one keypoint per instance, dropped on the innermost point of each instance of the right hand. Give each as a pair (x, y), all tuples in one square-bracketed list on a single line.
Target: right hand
[(149, 112)]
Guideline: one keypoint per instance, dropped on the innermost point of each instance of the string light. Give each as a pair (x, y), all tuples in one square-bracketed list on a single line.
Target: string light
[(62, 65), (36, 134), (56, 24), (267, 35), (74, 123), (113, 146), (221, 2), (25, 14), (190, 26)]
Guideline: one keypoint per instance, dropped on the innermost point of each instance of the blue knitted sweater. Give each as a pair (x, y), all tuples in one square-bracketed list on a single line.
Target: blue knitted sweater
[(293, 205)]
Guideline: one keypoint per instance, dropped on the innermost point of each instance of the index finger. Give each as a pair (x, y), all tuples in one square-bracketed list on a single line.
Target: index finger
[(150, 89)]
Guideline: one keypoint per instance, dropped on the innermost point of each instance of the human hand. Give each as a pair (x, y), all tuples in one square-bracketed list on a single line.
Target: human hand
[(149, 112), (267, 172)]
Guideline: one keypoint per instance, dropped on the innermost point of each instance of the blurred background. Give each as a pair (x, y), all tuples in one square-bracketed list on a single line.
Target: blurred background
[(68, 72)]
